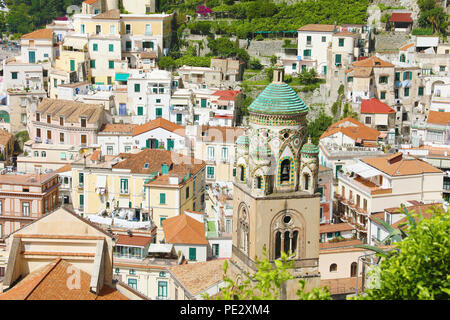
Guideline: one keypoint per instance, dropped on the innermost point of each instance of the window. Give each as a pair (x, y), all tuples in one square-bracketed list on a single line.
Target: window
[(43, 154), (441, 68), (137, 87), (140, 110), (127, 148), (124, 186), (187, 193), (83, 122), (112, 29), (368, 120), (397, 76), (383, 95), (26, 209), (83, 29), (109, 150), (14, 75), (349, 79), (420, 93), (307, 53), (224, 154), (38, 117), (338, 59), (72, 65), (83, 139), (148, 29), (161, 219), (117, 270), (162, 289), (162, 198), (92, 65), (61, 137), (162, 274), (81, 178), (98, 29), (49, 119), (111, 64), (341, 42), (383, 79), (210, 172), (132, 271), (211, 153), (402, 58), (215, 250), (324, 39), (179, 118), (353, 268), (333, 267), (128, 28), (95, 47), (203, 103), (62, 156), (128, 46), (158, 100), (407, 75), (308, 40), (158, 112), (406, 92), (192, 253), (132, 283), (111, 48), (285, 171)]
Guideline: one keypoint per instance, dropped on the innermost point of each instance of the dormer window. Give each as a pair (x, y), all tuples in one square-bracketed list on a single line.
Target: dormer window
[(49, 118), (83, 122), (146, 166), (61, 121), (38, 117)]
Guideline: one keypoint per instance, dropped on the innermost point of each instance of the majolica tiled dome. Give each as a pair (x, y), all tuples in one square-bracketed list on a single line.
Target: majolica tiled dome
[(278, 99), (309, 147)]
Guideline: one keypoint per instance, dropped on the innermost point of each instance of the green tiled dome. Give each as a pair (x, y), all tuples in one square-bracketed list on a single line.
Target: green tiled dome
[(310, 148), (278, 98)]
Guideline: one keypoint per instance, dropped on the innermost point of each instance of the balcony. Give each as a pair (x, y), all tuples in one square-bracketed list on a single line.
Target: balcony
[(364, 185)]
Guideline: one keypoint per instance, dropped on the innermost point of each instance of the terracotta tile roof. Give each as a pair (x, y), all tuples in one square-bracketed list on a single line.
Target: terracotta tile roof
[(373, 62), (184, 229), (95, 156), (400, 17), (375, 106), (70, 110), (422, 210), (159, 123), (345, 34), (30, 179), (353, 129), (227, 94), (50, 283), (419, 208), (334, 227), (396, 165), (113, 14), (340, 244), (197, 277), (90, 1), (5, 137), (360, 72), (406, 47), (219, 134), (318, 27), (138, 241), (119, 127), (378, 215), (179, 165), (441, 118), (39, 34), (342, 285)]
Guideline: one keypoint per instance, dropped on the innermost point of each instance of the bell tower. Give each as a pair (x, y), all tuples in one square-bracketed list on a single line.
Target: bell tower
[(272, 207)]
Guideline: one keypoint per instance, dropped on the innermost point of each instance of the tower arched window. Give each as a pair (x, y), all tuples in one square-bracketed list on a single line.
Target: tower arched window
[(259, 183), (243, 228), (242, 173), (286, 236), (306, 181), (353, 269), (333, 267), (285, 171)]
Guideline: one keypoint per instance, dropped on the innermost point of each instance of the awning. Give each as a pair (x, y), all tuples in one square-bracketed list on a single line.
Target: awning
[(101, 181), (76, 43), (160, 248), (363, 170), (122, 76)]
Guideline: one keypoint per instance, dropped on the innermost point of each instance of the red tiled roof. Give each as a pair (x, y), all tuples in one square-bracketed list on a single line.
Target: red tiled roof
[(318, 27), (353, 129), (406, 47), (138, 241), (372, 62), (50, 283), (334, 227), (375, 106), (184, 229), (159, 123), (39, 34), (400, 17), (227, 94), (436, 117), (118, 127), (90, 1)]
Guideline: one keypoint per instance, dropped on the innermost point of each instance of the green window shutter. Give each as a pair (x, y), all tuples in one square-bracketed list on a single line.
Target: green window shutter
[(140, 111), (420, 91), (410, 75), (72, 65), (13, 75), (81, 200), (93, 64), (147, 143), (162, 198), (192, 253), (383, 95), (397, 76), (404, 75), (203, 103), (341, 42), (234, 172), (170, 144), (156, 145), (158, 112), (81, 178), (128, 45), (338, 58), (111, 64), (137, 87), (406, 92), (95, 47), (111, 48)]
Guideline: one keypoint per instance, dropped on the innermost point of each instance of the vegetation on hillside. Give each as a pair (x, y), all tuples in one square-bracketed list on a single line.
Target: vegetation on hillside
[(432, 16)]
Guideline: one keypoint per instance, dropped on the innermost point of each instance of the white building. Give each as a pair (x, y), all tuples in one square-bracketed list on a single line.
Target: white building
[(116, 138)]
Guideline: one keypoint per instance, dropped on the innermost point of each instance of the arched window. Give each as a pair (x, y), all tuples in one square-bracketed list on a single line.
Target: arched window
[(306, 181), (242, 173), (333, 267), (243, 228), (286, 236), (353, 268), (258, 182), (285, 171)]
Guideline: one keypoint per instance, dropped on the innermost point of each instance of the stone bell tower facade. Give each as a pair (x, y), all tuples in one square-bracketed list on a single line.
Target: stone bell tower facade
[(275, 201)]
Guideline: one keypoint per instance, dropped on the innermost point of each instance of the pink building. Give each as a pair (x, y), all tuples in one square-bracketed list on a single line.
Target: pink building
[(66, 122), (25, 198)]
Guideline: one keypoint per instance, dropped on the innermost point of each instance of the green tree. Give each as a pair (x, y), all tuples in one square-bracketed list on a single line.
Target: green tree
[(255, 64), (167, 63), (419, 265), (318, 126), (266, 283)]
